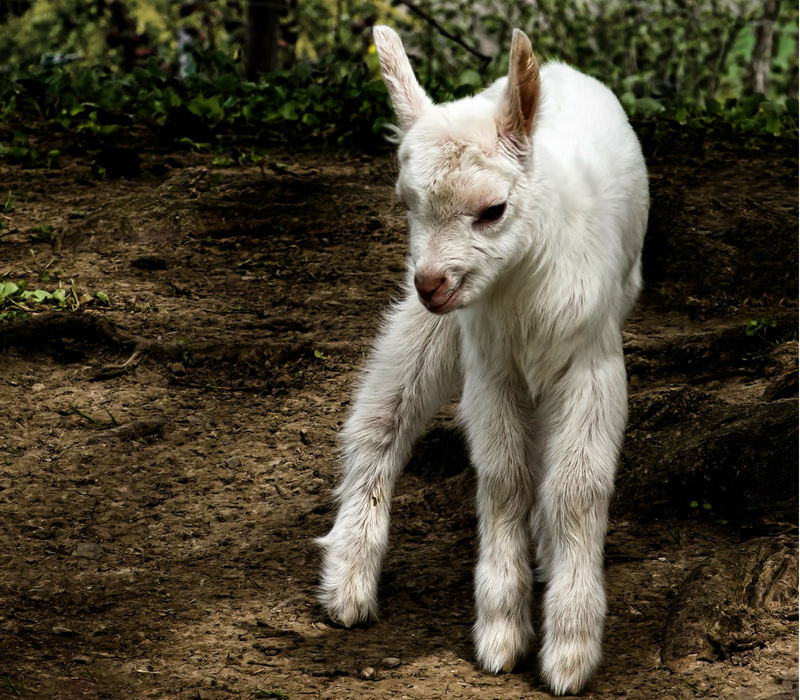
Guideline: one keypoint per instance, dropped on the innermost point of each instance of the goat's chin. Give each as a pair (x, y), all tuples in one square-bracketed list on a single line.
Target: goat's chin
[(453, 302)]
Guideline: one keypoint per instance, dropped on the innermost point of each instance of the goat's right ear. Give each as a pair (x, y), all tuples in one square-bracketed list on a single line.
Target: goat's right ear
[(408, 98)]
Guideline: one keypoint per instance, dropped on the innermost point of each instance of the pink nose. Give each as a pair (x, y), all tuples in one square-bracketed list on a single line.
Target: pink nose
[(428, 286)]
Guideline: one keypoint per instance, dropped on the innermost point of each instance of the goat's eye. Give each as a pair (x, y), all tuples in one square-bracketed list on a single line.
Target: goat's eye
[(492, 214)]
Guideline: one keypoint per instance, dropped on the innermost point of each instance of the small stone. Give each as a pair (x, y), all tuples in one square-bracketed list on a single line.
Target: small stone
[(368, 674), (37, 388), (177, 369), (233, 462), (318, 659), (283, 381), (390, 662), (85, 660), (63, 632), (88, 550)]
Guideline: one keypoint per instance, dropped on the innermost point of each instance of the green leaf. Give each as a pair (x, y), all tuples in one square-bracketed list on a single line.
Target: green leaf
[(470, 77), (288, 111), (693, 504), (712, 106), (648, 106)]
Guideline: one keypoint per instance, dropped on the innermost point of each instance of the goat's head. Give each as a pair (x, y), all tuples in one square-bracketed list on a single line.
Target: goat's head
[(462, 167)]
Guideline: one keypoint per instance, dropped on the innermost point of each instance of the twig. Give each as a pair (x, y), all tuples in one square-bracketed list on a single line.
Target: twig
[(458, 40), (128, 431), (111, 371)]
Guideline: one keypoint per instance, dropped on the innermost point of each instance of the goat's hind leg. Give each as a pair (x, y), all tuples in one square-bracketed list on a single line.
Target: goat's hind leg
[(413, 369)]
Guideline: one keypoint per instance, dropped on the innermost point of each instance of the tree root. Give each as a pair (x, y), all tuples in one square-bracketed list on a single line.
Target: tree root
[(734, 601), (95, 328), (129, 431), (91, 328)]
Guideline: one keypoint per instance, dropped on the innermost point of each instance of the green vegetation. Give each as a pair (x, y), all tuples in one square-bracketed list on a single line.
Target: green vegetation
[(17, 301), (763, 329), (765, 335), (15, 688), (678, 65), (100, 425), (259, 693)]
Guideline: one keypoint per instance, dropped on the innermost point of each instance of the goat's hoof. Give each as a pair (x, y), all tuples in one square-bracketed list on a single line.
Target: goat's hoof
[(567, 667), (501, 644)]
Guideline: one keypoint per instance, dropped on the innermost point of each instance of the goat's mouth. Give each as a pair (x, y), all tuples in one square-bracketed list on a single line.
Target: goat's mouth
[(448, 303)]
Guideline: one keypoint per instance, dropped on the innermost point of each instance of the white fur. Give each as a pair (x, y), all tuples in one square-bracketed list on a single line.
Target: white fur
[(531, 337)]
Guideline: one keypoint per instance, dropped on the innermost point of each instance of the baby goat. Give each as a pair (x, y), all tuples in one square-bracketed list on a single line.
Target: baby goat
[(527, 206)]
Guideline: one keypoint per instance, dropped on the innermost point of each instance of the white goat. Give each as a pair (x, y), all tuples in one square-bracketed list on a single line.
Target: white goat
[(527, 206)]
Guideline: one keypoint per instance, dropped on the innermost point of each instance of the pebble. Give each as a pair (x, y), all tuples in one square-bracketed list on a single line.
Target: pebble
[(390, 662), (36, 388), (88, 550), (177, 369), (63, 631), (233, 462), (368, 674)]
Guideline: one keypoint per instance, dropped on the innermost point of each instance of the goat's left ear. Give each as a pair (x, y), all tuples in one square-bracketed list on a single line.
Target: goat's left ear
[(408, 98), (520, 102)]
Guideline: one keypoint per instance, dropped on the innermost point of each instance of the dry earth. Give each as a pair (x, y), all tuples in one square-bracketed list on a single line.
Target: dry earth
[(181, 563)]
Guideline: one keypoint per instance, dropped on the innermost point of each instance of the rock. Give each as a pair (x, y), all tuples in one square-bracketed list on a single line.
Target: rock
[(178, 369), (88, 550), (63, 632), (390, 662), (37, 388), (367, 674), (233, 462)]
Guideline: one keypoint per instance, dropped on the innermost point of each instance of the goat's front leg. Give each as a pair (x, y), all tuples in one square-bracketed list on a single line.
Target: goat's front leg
[(413, 369), (587, 414), (498, 417)]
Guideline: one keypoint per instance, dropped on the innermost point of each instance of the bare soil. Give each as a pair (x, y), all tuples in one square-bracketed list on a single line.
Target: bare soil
[(177, 560)]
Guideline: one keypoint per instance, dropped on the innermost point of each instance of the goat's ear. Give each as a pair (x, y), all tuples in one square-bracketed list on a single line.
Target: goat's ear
[(408, 98), (520, 102)]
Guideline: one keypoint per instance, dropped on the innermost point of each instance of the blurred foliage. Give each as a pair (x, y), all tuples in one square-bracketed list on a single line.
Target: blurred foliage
[(681, 64)]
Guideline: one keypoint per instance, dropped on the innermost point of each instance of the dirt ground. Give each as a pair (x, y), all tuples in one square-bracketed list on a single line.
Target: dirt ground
[(181, 563)]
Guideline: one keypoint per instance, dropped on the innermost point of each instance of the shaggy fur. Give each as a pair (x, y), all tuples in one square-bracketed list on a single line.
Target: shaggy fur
[(522, 313)]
